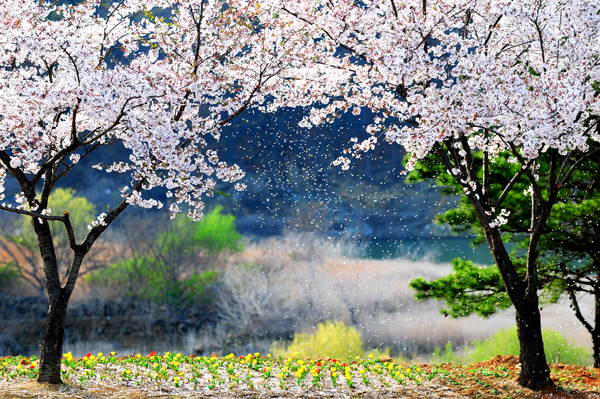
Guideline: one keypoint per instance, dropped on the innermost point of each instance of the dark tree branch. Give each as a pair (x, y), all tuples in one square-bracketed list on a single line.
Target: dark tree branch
[(16, 173), (486, 170), (394, 8), (489, 36), (577, 163), (576, 308), (528, 173), (511, 183)]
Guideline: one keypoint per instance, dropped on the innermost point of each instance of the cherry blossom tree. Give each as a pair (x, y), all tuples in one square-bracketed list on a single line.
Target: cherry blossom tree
[(75, 79), (456, 78)]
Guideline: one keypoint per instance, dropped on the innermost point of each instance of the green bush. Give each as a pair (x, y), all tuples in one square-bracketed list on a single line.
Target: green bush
[(215, 233), (331, 339), (147, 278), (504, 342), (8, 275), (171, 275)]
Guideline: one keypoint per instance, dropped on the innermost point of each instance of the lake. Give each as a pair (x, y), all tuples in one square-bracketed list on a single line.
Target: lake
[(438, 250)]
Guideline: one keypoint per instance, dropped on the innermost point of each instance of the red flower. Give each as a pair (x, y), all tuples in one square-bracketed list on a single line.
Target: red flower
[(152, 353), (344, 364), (318, 371), (88, 355), (334, 360), (32, 366), (319, 364)]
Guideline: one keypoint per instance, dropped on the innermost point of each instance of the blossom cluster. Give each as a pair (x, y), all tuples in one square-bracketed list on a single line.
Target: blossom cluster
[(160, 79), (504, 74)]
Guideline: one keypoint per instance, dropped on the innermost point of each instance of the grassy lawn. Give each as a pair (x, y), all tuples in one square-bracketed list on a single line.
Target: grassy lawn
[(172, 376)]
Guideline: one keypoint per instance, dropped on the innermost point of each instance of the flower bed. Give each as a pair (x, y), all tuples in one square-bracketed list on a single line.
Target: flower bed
[(174, 375)]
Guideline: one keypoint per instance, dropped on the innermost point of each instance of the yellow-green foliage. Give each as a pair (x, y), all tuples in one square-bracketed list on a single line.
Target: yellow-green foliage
[(330, 339)]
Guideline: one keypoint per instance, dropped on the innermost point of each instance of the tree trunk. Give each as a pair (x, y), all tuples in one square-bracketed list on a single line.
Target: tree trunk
[(535, 373), (52, 341), (596, 331), (596, 343)]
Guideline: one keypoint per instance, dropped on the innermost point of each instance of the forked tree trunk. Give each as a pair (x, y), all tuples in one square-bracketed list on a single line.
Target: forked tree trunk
[(52, 341)]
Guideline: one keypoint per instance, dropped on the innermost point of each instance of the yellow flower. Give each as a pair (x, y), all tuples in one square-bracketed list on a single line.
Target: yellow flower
[(269, 355), (370, 355), (300, 362), (298, 373), (138, 355), (408, 370), (112, 353), (128, 372), (295, 354), (100, 354), (418, 370), (334, 374), (333, 369), (257, 354), (268, 368), (175, 364), (418, 380), (348, 377), (181, 373), (176, 378), (178, 355), (279, 375), (237, 375), (357, 357), (362, 371)]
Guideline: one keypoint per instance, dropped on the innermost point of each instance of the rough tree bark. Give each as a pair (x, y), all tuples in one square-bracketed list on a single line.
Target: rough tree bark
[(535, 373), (596, 331)]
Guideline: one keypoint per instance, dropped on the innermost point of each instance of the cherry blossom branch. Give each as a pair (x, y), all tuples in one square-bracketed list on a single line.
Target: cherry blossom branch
[(489, 36), (72, 62), (16, 173)]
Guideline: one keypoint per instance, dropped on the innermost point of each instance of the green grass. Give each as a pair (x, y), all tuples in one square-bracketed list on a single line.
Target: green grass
[(558, 349)]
